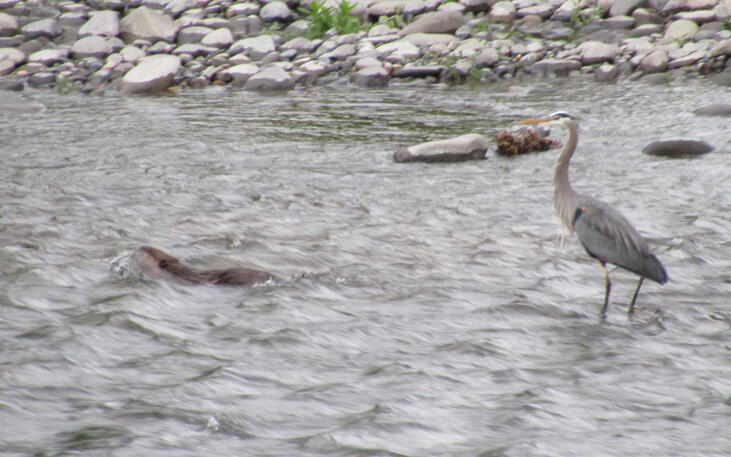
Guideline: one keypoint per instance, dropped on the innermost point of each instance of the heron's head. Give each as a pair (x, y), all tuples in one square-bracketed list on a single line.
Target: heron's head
[(557, 118)]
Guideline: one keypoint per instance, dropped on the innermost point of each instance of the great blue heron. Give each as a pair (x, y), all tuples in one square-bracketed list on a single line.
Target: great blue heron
[(603, 231)]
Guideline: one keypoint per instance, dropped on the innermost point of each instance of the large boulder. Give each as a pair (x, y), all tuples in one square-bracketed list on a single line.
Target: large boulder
[(148, 24), (272, 78), (153, 73), (466, 147), (677, 148)]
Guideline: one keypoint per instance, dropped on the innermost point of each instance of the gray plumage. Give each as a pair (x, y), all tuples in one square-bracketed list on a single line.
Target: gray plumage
[(603, 231)]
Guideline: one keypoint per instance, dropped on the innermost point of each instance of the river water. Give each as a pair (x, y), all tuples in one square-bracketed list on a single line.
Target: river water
[(425, 310)]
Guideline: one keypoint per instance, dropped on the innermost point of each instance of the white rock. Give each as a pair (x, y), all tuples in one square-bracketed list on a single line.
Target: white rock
[(104, 23), (49, 57), (596, 52), (241, 73), (153, 73), (466, 147), (148, 24), (255, 47), (681, 29), (91, 46), (219, 38)]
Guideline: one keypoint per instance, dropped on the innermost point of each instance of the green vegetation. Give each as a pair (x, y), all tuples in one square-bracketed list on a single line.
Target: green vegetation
[(325, 18)]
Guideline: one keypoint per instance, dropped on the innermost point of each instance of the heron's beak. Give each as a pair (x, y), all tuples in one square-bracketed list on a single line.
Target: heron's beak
[(536, 121)]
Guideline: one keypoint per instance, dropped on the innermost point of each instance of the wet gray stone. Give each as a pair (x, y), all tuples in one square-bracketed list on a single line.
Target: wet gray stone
[(466, 147), (193, 34), (272, 78), (677, 148), (718, 109), (557, 66), (488, 57), (104, 23), (194, 49), (153, 73), (42, 78), (370, 77), (147, 24)]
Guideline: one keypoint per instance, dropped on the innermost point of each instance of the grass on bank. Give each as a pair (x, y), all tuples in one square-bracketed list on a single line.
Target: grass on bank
[(325, 18)]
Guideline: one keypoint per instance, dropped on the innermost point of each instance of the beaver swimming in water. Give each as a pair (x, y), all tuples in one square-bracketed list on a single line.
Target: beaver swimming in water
[(156, 263)]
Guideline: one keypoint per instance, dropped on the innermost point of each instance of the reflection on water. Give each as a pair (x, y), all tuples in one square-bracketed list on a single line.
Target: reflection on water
[(429, 309)]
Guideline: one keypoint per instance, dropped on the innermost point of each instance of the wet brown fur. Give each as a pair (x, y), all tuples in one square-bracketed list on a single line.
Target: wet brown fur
[(225, 277)]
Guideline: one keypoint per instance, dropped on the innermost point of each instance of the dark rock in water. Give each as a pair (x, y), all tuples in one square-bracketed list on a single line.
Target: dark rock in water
[(523, 141), (718, 109), (677, 148), (466, 147)]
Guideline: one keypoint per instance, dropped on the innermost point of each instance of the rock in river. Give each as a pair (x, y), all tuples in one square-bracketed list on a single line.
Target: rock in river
[(677, 148), (466, 147), (719, 109), (153, 73)]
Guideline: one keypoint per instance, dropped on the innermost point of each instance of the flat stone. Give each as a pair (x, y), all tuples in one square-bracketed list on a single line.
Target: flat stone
[(680, 30), (718, 109), (243, 9), (342, 52), (42, 78), (396, 7), (542, 10), (419, 71), (302, 45), (686, 60), (619, 23), (241, 73), (8, 25), (553, 30), (14, 55), (193, 34), (104, 23), (436, 22), (699, 17), (276, 11), (49, 57), (219, 38), (597, 52), (677, 148), (557, 66), (153, 73), (195, 49), (272, 78), (401, 48), (466, 147), (314, 69), (646, 16), (625, 7), (148, 24), (72, 19), (91, 46), (370, 77), (49, 28), (255, 47), (131, 53), (175, 8), (429, 39), (645, 30), (655, 62), (469, 48)]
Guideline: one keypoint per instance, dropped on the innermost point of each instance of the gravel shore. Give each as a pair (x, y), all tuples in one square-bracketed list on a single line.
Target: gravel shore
[(151, 45)]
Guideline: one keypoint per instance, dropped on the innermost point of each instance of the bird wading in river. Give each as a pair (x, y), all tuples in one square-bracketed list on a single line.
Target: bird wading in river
[(603, 231)]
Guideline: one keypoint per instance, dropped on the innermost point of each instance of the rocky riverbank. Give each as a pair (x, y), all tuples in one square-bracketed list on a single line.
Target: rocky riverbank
[(148, 45)]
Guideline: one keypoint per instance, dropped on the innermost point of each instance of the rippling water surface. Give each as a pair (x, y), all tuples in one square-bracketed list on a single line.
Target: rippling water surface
[(427, 309)]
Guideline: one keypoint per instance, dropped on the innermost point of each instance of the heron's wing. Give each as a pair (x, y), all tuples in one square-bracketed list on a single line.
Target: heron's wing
[(609, 237)]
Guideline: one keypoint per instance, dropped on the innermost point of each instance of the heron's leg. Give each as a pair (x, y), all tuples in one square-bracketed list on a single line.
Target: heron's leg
[(631, 309), (606, 294)]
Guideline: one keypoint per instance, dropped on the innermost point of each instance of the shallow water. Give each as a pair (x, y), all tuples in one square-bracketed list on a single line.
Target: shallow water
[(428, 309)]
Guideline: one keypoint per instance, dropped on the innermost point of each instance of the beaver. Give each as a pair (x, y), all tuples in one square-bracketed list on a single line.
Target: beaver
[(156, 263)]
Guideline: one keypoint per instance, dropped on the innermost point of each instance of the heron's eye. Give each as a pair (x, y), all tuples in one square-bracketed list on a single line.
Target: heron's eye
[(577, 214), (163, 263)]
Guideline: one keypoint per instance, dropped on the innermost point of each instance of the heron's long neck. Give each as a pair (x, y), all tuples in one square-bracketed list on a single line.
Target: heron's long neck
[(564, 197)]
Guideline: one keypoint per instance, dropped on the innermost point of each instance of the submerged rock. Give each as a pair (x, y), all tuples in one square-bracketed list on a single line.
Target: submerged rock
[(466, 147), (677, 148)]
